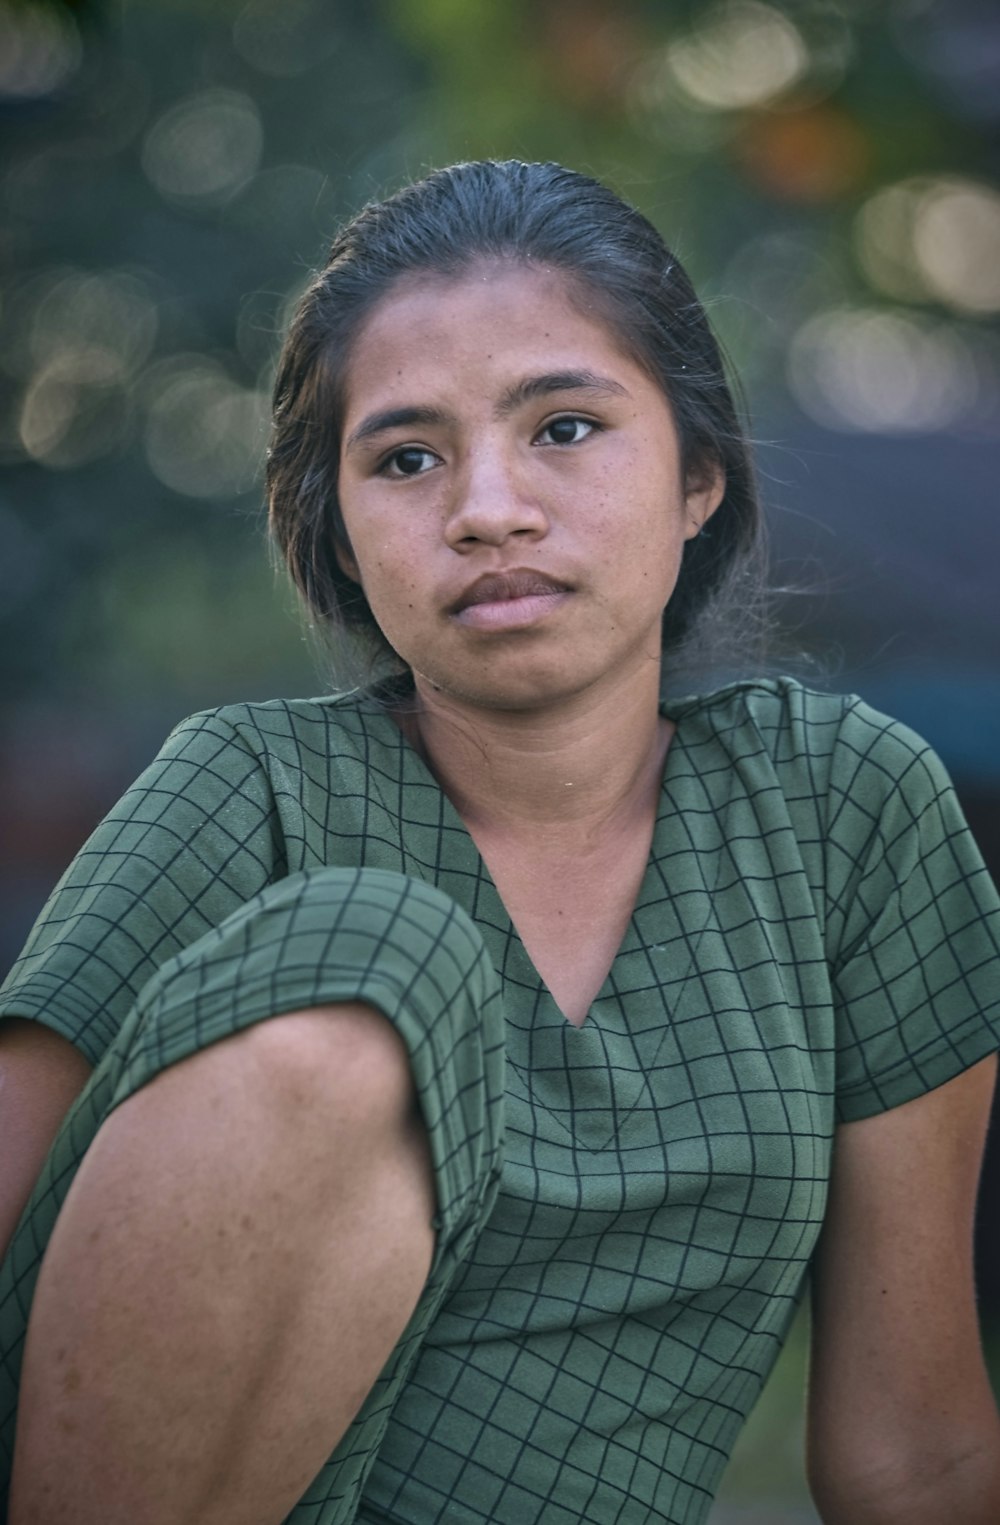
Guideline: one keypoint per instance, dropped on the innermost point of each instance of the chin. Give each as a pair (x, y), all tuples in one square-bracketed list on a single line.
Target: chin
[(521, 693), (527, 677)]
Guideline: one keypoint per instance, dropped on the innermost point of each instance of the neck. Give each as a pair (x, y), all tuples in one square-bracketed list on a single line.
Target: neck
[(594, 762)]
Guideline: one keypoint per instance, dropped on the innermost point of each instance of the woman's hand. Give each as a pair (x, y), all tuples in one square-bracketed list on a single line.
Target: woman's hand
[(41, 1075), (902, 1421)]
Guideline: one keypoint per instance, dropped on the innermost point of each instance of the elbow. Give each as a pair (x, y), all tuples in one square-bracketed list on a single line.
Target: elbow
[(954, 1478)]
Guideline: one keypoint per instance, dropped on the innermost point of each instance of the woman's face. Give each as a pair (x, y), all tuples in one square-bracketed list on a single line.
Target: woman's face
[(511, 486)]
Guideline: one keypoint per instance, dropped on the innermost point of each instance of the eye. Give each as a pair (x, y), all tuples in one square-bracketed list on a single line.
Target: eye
[(568, 430), (408, 461)]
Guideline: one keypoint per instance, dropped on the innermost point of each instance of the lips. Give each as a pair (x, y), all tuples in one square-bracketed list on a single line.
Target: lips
[(501, 587)]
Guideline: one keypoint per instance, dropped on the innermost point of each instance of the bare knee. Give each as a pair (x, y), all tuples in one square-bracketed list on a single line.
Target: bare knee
[(345, 1057), (319, 1095), (334, 1084)]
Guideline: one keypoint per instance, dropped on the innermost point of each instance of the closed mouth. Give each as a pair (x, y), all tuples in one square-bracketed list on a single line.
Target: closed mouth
[(500, 587)]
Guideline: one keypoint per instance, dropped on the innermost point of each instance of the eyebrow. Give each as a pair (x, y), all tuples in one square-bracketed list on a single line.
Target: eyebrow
[(557, 381), (527, 390), (395, 418)]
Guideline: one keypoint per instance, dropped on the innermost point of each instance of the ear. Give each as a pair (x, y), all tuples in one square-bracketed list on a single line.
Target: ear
[(705, 490), (345, 559)]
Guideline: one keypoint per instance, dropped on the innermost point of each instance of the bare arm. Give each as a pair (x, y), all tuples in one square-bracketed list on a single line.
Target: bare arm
[(40, 1076), (902, 1422)]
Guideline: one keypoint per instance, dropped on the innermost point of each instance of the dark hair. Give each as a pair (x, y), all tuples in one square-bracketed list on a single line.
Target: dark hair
[(614, 258)]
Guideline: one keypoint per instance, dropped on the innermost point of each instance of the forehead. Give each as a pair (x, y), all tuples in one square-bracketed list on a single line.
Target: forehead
[(491, 320)]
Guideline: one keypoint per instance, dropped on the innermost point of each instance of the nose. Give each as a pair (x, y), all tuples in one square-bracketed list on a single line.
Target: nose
[(493, 501)]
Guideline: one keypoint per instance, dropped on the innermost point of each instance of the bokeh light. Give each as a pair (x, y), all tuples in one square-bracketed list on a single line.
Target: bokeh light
[(40, 50), (662, 112), (956, 240), (205, 434), (71, 415), (78, 338), (934, 239), (204, 147), (883, 239), (815, 154), (888, 372), (99, 325), (740, 54)]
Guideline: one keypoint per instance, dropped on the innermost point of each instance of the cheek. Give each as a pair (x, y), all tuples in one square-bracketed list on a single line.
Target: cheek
[(391, 583), (373, 556), (382, 576)]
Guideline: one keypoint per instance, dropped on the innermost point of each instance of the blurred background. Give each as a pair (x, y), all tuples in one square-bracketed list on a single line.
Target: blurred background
[(171, 173)]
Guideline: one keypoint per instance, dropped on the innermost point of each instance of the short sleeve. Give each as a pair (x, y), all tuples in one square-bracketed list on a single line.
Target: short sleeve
[(195, 837), (913, 921)]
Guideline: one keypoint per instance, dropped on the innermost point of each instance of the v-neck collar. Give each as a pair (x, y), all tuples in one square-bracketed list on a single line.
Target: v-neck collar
[(463, 869)]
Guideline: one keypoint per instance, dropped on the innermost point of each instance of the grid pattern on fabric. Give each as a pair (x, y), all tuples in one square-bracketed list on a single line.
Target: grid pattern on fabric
[(665, 1166), (664, 1182), (194, 838)]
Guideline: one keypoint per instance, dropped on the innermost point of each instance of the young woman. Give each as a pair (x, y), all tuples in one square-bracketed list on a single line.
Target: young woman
[(483, 1061)]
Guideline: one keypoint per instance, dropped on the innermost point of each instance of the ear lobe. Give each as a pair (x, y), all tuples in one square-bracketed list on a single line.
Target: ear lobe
[(705, 491)]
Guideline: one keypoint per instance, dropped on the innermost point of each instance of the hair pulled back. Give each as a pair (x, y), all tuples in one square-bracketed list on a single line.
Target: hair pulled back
[(614, 259)]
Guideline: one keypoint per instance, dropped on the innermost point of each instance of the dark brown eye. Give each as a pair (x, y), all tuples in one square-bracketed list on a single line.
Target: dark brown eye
[(408, 462), (567, 431)]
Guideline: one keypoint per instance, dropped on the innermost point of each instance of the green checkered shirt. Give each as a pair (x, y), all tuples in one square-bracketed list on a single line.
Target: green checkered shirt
[(815, 940)]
